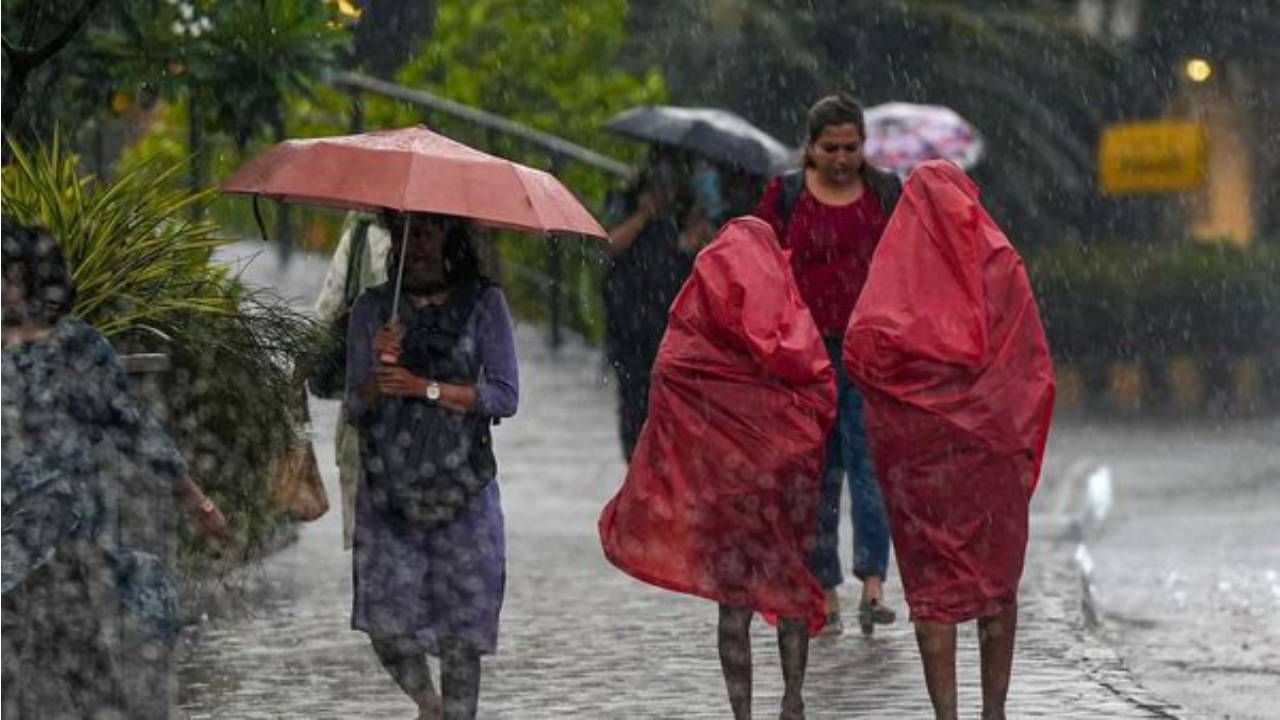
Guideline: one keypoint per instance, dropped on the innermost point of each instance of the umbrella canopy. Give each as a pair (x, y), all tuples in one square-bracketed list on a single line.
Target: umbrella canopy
[(716, 134), (901, 135), (414, 170)]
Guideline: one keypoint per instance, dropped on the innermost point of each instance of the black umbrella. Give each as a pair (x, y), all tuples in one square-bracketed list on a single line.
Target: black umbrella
[(716, 134)]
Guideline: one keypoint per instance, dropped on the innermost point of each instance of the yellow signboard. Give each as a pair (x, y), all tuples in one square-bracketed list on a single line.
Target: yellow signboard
[(1152, 157)]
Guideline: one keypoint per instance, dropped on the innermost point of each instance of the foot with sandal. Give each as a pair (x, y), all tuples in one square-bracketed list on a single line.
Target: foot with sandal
[(872, 610)]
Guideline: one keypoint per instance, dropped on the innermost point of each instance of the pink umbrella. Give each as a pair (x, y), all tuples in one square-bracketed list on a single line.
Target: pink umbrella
[(902, 135), (414, 170)]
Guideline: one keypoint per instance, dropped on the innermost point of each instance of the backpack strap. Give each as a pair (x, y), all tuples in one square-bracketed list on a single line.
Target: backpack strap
[(792, 186), (887, 186)]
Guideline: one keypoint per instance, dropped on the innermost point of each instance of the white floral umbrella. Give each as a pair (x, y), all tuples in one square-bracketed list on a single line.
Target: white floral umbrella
[(902, 135)]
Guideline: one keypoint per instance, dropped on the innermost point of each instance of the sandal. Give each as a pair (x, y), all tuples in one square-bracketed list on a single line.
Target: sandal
[(833, 626), (872, 613)]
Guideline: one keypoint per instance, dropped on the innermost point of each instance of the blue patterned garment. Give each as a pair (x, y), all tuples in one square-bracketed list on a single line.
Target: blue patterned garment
[(69, 421)]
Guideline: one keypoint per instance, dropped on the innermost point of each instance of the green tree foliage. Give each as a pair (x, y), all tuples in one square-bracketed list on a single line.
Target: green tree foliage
[(389, 33), (237, 63), (550, 64), (51, 72), (553, 65)]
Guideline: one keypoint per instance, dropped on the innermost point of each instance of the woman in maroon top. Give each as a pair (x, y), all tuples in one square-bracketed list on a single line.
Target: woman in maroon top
[(830, 216)]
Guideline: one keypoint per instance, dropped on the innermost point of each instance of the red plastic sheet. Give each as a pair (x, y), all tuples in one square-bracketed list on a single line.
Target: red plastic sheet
[(721, 497), (947, 346)]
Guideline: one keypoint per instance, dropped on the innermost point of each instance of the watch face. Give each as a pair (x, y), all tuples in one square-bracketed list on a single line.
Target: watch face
[(433, 392)]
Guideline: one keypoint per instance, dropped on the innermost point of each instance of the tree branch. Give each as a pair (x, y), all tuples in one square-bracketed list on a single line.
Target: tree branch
[(23, 60), (51, 48)]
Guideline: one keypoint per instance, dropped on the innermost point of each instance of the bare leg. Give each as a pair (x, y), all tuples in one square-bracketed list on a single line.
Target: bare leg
[(872, 588), (995, 641), (937, 643), (407, 664), (459, 679), (735, 658), (793, 646)]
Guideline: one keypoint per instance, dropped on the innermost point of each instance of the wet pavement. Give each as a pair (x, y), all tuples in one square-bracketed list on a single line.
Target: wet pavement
[(1187, 567), (580, 639)]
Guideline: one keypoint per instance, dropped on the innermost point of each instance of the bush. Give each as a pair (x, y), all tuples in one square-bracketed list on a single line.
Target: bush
[(1126, 302)]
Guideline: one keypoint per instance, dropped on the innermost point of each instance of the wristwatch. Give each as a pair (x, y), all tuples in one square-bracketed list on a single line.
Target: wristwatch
[(433, 391)]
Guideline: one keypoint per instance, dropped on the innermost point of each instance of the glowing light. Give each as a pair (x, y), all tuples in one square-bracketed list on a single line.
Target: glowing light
[(1198, 70), (349, 9)]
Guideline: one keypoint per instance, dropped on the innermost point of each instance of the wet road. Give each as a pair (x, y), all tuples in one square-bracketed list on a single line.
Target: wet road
[(579, 639), (1187, 577)]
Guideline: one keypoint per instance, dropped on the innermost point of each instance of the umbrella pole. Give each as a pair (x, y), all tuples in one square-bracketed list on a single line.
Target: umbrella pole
[(404, 244)]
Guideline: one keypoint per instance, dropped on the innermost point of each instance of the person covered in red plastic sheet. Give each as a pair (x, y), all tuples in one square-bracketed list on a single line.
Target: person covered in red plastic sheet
[(948, 348), (721, 497)]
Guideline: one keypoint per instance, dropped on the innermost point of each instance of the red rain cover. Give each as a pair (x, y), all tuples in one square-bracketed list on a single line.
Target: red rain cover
[(721, 497), (947, 346)]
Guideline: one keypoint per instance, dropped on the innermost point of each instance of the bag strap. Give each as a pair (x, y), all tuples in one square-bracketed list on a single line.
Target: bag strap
[(887, 186), (792, 186)]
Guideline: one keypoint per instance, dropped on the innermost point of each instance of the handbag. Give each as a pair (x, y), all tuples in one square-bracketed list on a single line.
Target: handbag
[(297, 487), (328, 377)]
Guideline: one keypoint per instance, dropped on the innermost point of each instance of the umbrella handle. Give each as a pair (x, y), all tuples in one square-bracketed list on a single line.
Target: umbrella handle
[(404, 244), (257, 216), (387, 358)]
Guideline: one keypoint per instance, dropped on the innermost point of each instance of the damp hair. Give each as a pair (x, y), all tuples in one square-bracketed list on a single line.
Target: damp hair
[(33, 259), (838, 109)]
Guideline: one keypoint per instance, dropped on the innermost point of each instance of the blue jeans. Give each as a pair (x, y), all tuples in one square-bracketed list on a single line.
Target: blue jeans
[(849, 456)]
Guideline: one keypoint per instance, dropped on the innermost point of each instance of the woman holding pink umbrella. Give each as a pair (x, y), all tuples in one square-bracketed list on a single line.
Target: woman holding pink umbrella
[(430, 366)]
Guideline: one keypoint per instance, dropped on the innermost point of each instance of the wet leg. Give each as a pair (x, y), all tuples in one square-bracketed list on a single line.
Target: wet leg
[(459, 679), (406, 662), (793, 646), (735, 658), (937, 643), (995, 641)]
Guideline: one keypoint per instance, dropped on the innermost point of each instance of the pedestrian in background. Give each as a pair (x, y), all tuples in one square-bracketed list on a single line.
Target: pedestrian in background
[(359, 262), (73, 437), (948, 348), (720, 499), (425, 381), (830, 216), (652, 248)]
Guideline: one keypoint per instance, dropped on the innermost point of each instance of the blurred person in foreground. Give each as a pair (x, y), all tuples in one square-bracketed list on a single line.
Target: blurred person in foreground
[(359, 262), (74, 438), (652, 247), (430, 552), (830, 216), (947, 346), (731, 516)]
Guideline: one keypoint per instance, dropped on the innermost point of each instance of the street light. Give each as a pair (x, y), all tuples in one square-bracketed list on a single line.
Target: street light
[(1198, 70)]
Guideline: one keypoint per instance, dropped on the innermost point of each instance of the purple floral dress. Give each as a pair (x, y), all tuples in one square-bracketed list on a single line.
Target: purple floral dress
[(445, 583)]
